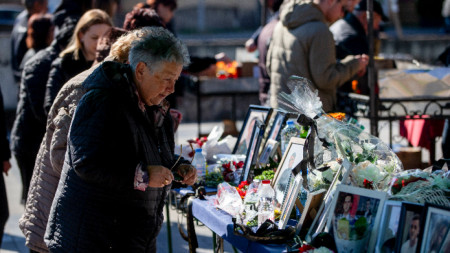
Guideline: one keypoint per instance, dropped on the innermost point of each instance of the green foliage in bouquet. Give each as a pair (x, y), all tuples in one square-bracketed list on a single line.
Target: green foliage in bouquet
[(253, 222), (266, 175), (366, 155), (360, 227), (265, 172), (213, 179)]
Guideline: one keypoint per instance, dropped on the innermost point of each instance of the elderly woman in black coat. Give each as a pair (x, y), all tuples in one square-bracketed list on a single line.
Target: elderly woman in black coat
[(121, 135)]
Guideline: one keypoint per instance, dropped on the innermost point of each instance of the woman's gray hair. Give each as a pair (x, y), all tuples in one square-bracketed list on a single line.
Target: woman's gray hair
[(156, 45)]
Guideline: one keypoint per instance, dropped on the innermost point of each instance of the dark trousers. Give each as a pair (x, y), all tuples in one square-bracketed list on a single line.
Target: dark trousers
[(26, 166), (4, 212)]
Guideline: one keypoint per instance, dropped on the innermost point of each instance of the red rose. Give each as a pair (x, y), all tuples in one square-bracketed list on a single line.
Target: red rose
[(305, 248)]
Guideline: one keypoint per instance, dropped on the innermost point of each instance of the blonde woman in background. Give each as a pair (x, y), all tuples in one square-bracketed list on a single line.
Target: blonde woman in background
[(79, 54)]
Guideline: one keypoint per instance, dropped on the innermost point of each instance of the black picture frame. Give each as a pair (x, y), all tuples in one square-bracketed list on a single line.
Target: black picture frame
[(435, 229), (252, 154), (261, 113), (408, 214)]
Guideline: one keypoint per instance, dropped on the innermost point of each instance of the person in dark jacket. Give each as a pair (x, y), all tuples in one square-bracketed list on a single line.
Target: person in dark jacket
[(39, 35), (350, 35), (120, 131), (5, 155), (19, 33), (29, 124), (70, 11), (79, 54)]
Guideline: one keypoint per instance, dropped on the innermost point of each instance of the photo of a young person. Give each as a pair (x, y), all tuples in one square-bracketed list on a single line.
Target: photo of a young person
[(440, 231), (413, 228), (436, 232), (366, 210), (352, 230), (344, 218)]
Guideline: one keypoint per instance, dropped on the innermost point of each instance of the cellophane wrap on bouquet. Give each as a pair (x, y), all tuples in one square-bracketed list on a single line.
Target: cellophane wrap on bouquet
[(421, 186), (228, 199), (338, 140), (216, 145)]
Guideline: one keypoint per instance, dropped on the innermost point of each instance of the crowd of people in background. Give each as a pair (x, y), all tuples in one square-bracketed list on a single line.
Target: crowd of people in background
[(90, 91), (56, 56)]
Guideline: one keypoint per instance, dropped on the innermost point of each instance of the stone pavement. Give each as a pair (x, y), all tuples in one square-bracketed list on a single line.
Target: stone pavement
[(13, 240)]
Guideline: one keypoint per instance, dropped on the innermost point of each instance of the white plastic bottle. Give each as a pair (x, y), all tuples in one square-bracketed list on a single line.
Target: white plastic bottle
[(289, 131), (266, 197), (199, 162)]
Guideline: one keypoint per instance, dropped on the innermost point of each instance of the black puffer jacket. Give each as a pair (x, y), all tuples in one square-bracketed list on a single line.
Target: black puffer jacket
[(63, 69), (96, 208), (29, 125)]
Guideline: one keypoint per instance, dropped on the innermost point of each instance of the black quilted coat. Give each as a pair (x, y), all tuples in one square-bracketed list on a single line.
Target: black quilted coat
[(96, 208), (30, 122)]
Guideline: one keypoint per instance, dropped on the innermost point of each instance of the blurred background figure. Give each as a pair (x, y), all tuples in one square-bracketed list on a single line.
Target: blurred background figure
[(39, 35), (446, 15), (350, 35), (5, 155), (70, 11), (164, 8), (273, 6), (109, 6), (19, 33), (136, 18), (263, 42), (30, 122), (79, 54)]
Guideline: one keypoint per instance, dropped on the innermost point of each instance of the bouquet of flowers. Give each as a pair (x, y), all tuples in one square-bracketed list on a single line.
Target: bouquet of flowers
[(231, 171), (336, 139), (421, 186), (322, 178)]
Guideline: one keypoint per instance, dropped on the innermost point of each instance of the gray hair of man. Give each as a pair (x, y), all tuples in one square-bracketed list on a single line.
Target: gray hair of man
[(156, 45)]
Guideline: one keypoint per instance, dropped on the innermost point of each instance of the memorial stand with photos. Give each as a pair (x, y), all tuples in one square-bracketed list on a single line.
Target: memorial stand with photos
[(337, 182)]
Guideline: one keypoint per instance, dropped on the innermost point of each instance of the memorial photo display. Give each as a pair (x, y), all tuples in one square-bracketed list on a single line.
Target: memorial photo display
[(254, 113)]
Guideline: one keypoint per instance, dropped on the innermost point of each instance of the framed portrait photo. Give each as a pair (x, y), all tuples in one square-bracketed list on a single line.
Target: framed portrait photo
[(387, 231), (311, 209), (289, 201), (354, 218), (292, 157), (321, 217), (409, 227), (255, 112), (268, 151), (252, 154), (435, 233)]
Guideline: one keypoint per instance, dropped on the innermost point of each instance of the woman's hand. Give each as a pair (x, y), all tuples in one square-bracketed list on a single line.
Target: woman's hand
[(159, 176), (191, 176), (188, 173)]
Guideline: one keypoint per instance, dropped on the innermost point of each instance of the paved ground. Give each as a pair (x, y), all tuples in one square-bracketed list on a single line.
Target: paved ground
[(14, 241)]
